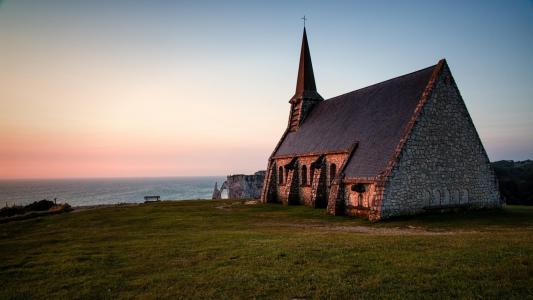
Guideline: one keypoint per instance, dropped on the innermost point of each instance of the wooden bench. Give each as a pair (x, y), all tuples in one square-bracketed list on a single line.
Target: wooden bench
[(151, 198)]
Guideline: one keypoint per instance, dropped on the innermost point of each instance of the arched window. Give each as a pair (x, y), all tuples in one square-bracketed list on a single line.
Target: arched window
[(360, 200), (464, 196), (455, 197), (426, 198), (332, 171), (435, 201), (445, 200), (311, 171), (304, 175), (280, 175)]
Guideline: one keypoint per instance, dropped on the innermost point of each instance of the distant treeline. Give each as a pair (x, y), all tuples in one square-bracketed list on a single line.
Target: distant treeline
[(516, 180)]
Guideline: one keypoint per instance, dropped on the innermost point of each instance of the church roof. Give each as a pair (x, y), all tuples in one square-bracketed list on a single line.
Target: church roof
[(305, 84), (375, 117)]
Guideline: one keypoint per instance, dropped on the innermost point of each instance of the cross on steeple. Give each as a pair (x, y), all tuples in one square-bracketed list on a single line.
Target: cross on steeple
[(305, 19)]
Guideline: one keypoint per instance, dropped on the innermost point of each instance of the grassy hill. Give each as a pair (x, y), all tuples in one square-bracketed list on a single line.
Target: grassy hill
[(225, 249)]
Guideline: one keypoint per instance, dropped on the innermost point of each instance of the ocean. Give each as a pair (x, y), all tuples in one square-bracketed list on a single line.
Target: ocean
[(96, 191)]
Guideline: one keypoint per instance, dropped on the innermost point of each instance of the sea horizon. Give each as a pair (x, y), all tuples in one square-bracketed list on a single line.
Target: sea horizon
[(105, 190), (106, 177)]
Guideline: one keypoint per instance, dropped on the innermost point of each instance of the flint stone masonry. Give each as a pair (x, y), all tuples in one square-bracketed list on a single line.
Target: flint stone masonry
[(443, 164), (318, 172), (242, 186)]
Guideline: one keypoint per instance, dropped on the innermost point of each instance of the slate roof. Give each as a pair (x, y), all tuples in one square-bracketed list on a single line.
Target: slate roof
[(305, 83), (374, 116)]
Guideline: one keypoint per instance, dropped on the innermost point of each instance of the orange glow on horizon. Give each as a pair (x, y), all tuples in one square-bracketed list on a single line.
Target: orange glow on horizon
[(57, 157)]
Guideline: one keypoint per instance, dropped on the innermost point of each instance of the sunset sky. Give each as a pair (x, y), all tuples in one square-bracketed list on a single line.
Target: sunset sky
[(175, 88)]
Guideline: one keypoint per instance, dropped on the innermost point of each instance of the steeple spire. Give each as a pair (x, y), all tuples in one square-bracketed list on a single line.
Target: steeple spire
[(305, 84), (306, 96)]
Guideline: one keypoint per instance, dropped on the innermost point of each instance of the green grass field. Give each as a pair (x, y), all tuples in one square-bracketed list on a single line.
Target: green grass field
[(225, 249)]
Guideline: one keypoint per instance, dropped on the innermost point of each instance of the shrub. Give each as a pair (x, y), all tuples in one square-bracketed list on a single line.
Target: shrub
[(11, 211), (39, 205)]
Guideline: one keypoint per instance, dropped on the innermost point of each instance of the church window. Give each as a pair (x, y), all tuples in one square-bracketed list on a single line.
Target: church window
[(445, 197), (464, 196), (280, 175), (455, 198), (332, 172), (426, 197), (304, 175), (435, 201)]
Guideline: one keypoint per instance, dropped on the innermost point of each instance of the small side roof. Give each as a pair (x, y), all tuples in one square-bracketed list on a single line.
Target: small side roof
[(375, 117)]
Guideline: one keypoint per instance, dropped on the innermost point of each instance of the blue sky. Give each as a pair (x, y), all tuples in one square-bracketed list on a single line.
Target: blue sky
[(216, 76)]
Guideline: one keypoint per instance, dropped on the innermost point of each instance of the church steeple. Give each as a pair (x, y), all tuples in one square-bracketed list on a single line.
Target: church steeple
[(305, 84), (306, 95)]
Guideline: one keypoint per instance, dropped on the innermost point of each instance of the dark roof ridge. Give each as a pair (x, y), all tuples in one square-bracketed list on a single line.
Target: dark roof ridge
[(376, 116), (382, 82)]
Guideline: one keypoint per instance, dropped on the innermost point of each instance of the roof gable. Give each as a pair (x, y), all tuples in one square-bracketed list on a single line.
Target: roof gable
[(375, 117)]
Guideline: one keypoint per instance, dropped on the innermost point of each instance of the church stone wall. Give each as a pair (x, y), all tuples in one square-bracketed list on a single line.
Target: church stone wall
[(292, 189), (306, 188), (338, 160), (359, 199), (282, 189), (443, 163)]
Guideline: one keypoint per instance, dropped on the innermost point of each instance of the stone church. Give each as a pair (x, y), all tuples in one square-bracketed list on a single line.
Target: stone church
[(403, 146)]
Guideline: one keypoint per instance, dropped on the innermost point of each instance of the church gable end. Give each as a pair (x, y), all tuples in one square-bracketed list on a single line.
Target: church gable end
[(442, 163)]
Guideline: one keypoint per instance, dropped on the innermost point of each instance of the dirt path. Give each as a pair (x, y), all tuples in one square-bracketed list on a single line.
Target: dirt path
[(409, 230), (228, 206)]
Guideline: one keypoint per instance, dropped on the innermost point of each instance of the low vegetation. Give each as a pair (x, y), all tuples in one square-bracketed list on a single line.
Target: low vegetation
[(42, 205), (226, 249), (32, 210), (516, 180)]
